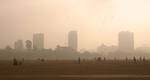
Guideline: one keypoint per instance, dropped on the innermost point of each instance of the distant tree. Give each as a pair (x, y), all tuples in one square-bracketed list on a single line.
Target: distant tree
[(29, 45)]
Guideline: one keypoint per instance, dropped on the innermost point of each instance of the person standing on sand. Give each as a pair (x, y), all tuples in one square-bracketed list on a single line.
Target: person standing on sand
[(79, 60), (134, 60), (15, 62)]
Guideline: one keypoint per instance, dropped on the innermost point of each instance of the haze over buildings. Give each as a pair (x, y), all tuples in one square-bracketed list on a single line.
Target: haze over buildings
[(106, 50), (125, 48), (97, 21)]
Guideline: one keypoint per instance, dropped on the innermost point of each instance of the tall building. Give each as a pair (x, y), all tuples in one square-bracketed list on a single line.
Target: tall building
[(19, 45), (38, 41), (73, 40), (126, 41)]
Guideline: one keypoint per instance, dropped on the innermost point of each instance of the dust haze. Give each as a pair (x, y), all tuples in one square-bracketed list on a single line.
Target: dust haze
[(74, 39), (97, 21)]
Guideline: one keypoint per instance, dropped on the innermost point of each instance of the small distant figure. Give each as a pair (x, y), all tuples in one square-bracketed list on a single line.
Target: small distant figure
[(134, 60), (144, 59), (22, 59), (99, 59), (15, 62), (79, 60), (42, 60), (115, 59), (19, 63), (140, 59), (127, 59), (104, 59)]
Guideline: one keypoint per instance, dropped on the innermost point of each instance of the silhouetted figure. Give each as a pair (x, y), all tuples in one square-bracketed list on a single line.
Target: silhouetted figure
[(15, 62), (99, 59), (127, 59), (79, 60), (22, 59), (144, 59), (104, 59), (140, 59), (115, 59), (42, 60), (19, 63), (134, 60)]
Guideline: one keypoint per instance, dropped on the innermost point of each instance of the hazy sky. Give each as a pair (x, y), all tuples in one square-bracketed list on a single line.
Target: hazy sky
[(97, 21)]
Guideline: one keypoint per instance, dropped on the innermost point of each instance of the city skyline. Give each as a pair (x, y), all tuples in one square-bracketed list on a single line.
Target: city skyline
[(125, 42), (75, 39)]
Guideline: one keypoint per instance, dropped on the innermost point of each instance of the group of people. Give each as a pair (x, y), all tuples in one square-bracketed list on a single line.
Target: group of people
[(127, 60), (17, 62), (133, 60), (99, 59)]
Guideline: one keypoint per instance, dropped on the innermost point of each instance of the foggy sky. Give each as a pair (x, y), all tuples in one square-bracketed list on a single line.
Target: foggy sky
[(97, 21)]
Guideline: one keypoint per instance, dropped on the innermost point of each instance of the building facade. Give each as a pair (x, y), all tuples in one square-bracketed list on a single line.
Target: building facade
[(18, 45), (38, 41), (73, 40), (126, 41)]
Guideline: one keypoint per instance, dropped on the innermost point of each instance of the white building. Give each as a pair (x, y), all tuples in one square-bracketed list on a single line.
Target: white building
[(73, 40), (126, 41), (19, 45), (38, 41)]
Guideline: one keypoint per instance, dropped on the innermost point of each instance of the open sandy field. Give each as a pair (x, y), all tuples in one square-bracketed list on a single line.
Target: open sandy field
[(72, 70)]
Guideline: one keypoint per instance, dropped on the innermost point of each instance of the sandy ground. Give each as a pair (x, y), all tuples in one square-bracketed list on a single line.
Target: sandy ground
[(72, 70)]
